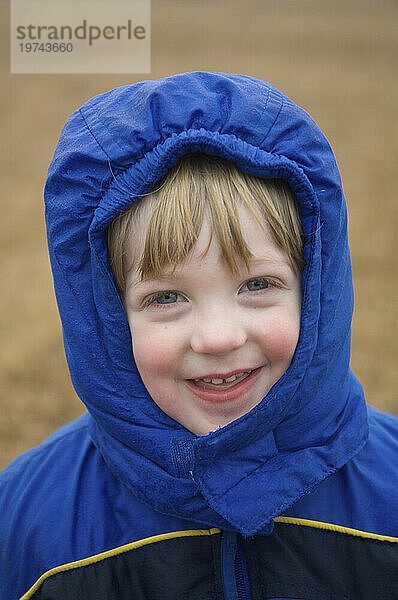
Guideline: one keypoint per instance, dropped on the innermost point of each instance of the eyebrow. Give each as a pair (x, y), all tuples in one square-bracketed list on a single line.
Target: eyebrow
[(172, 277), (267, 259), (150, 280)]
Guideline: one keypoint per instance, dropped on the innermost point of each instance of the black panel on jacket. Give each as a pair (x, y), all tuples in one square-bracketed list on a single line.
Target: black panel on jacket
[(320, 564), (296, 561), (183, 568)]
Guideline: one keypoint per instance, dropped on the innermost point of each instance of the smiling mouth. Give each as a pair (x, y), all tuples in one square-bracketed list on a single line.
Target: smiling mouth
[(218, 383), (220, 390)]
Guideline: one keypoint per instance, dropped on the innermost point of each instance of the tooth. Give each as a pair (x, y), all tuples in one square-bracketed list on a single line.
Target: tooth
[(218, 381)]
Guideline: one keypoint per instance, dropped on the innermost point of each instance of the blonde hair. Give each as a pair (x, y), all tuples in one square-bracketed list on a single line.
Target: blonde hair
[(202, 184)]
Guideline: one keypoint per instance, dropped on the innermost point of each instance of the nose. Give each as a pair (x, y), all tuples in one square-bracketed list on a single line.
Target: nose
[(217, 332)]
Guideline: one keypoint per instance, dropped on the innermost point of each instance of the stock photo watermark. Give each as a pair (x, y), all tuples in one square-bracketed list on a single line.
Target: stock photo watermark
[(80, 36)]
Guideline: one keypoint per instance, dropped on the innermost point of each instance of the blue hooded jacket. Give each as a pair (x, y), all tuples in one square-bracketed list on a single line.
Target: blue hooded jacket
[(302, 461)]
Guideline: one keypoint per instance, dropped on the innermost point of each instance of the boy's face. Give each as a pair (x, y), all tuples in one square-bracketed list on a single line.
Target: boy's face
[(203, 325)]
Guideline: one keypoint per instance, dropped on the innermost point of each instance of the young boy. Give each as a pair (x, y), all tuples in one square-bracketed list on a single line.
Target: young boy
[(198, 239)]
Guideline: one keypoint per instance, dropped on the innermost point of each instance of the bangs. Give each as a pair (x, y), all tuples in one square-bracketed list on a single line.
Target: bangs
[(198, 186)]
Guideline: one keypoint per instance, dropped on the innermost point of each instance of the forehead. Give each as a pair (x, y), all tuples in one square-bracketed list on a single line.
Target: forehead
[(207, 248), (257, 237), (135, 241)]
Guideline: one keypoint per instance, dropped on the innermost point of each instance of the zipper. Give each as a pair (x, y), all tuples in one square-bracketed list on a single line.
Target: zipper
[(241, 576), (233, 566)]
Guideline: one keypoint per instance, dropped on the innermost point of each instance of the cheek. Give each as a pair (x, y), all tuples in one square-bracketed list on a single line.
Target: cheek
[(280, 340), (154, 353), (284, 347)]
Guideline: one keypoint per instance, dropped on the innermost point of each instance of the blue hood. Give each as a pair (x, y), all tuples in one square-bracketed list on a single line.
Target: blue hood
[(313, 421)]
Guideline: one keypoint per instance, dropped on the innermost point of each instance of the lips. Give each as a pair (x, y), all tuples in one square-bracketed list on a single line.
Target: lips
[(223, 383), (223, 391)]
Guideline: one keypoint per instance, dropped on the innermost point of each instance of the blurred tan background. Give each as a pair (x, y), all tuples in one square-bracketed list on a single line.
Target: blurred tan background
[(337, 59)]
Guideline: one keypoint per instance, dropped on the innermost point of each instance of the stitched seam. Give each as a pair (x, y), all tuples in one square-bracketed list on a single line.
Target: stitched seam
[(93, 134), (329, 528), (275, 120)]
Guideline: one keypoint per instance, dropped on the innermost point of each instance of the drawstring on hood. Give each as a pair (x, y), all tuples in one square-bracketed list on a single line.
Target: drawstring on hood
[(112, 150)]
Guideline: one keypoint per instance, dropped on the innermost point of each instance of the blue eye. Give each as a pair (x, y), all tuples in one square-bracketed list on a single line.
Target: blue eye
[(166, 298), (256, 285), (163, 299)]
